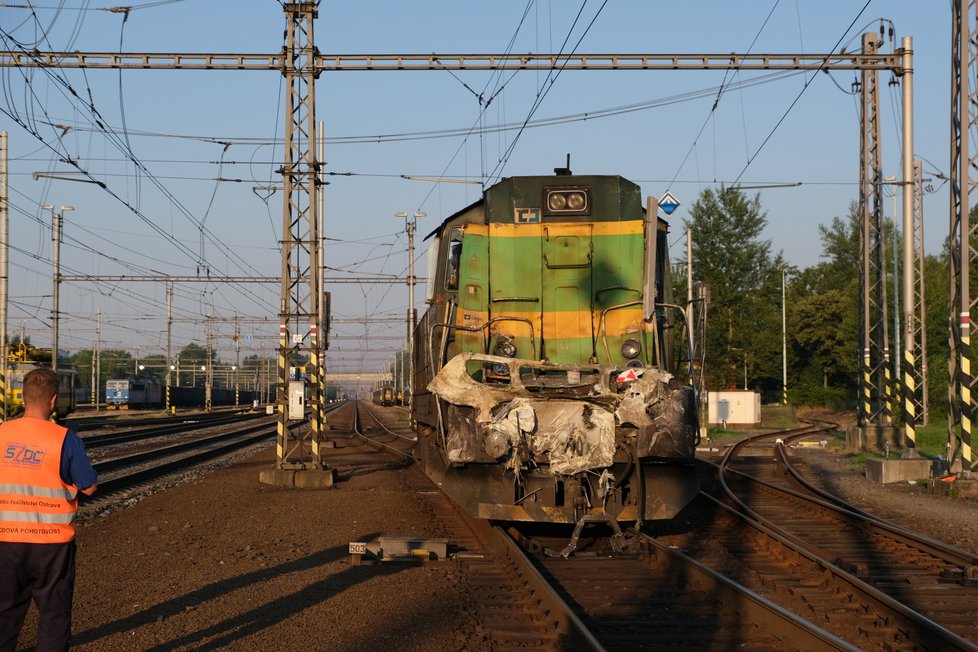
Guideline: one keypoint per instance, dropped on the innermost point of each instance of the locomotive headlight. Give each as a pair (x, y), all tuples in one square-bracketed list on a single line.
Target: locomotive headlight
[(505, 347), (557, 201), (576, 200), (631, 348)]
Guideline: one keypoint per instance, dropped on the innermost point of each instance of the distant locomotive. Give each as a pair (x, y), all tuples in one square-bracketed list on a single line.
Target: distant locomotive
[(15, 388), (148, 393), (544, 365), (133, 393), (384, 395)]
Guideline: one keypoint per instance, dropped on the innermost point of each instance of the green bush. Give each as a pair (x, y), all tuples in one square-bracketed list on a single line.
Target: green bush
[(836, 398)]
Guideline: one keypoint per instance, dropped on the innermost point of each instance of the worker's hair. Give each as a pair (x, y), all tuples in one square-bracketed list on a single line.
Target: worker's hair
[(39, 386)]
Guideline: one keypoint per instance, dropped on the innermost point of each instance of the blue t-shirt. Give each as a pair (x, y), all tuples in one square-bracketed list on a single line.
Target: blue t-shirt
[(75, 468)]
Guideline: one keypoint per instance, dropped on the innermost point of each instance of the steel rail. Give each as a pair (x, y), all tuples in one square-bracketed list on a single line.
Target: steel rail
[(370, 441), (786, 625), (83, 424), (136, 458), (948, 640), (117, 483), (938, 634), (576, 634), (381, 424), (934, 547), (98, 441)]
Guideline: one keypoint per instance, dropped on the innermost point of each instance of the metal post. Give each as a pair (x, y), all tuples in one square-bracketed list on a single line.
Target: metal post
[(689, 297), (299, 451), (237, 359), (3, 274), (209, 370), (411, 321), (411, 221), (56, 236), (97, 354), (960, 379), (875, 379), (321, 307), (169, 346), (920, 303), (784, 344), (909, 344), (94, 391)]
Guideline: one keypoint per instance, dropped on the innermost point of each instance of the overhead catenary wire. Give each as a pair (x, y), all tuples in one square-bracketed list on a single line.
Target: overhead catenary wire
[(62, 83)]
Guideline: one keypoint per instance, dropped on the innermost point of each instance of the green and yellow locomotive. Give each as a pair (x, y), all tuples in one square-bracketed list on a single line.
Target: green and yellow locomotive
[(544, 386)]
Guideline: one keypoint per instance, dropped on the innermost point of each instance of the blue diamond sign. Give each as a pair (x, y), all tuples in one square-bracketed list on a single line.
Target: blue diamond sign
[(668, 203)]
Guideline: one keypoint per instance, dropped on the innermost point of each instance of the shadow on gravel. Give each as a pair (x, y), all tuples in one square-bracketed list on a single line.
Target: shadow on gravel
[(262, 616), (346, 475), (269, 614)]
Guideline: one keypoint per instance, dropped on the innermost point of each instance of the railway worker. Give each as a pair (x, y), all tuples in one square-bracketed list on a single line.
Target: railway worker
[(42, 469)]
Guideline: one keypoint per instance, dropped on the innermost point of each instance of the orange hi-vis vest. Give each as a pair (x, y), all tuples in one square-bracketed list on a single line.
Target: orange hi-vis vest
[(36, 506)]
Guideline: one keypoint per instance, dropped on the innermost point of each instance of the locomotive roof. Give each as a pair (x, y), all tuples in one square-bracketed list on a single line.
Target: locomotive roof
[(549, 181)]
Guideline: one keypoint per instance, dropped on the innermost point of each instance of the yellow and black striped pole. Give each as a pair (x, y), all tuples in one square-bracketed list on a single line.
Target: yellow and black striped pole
[(965, 385), (282, 395), (909, 399), (888, 388), (314, 393), (867, 398)]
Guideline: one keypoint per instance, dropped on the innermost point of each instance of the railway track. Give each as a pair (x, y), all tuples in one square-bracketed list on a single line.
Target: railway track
[(171, 426), (926, 589), (128, 471), (516, 607), (721, 578), (633, 592), (85, 424)]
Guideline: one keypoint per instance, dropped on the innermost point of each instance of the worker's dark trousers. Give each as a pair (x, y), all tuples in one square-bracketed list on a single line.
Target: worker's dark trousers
[(46, 573)]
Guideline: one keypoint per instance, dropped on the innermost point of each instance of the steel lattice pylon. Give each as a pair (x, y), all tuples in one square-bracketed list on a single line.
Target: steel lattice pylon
[(961, 381), (875, 385), (917, 313), (300, 309)]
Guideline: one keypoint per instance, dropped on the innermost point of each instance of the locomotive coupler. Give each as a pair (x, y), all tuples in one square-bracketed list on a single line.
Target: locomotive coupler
[(590, 518)]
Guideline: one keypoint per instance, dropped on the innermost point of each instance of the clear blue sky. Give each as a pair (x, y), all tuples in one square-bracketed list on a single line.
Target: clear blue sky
[(176, 122)]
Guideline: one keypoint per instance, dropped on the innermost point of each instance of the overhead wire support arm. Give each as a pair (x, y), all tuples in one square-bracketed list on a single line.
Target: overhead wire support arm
[(380, 62)]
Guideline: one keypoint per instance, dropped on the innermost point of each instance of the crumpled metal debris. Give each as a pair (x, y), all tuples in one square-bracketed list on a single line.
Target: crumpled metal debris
[(576, 436), (507, 429)]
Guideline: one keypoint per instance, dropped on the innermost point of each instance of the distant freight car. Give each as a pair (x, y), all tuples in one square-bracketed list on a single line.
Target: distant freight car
[(195, 397), (133, 393)]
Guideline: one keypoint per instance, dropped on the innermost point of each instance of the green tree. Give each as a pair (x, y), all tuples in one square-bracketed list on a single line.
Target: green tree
[(190, 360), (744, 280), (822, 319)]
